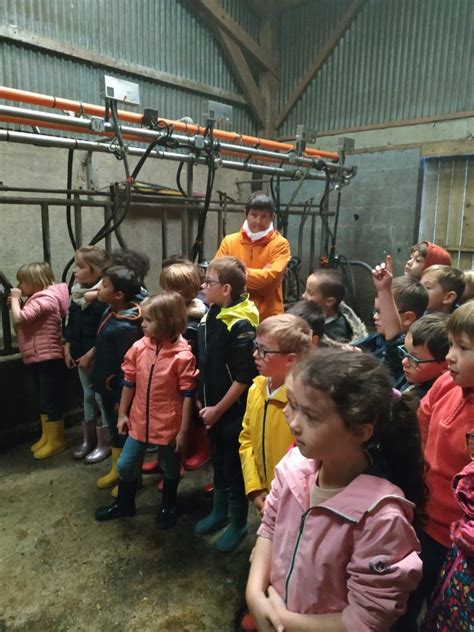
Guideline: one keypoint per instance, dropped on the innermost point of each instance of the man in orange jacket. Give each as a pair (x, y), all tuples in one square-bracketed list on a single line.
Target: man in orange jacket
[(264, 252)]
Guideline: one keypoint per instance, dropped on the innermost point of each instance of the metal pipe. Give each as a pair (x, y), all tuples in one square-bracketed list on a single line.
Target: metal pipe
[(23, 96), (46, 232), (44, 140), (86, 125)]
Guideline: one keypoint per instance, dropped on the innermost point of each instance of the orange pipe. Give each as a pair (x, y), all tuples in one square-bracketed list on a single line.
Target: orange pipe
[(23, 96)]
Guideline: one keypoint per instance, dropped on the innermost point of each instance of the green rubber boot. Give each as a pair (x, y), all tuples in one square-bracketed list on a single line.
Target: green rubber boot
[(237, 530), (219, 515)]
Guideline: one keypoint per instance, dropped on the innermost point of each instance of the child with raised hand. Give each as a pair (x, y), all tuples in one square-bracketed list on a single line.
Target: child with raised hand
[(423, 255), (446, 417), (445, 287), (119, 328), (80, 332), (38, 327), (156, 405), (226, 370), (336, 549), (265, 437), (398, 304)]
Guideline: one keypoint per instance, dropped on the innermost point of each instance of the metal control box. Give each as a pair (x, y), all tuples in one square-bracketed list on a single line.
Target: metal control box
[(121, 90)]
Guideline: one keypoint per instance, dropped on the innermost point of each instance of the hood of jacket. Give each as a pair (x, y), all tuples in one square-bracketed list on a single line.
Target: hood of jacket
[(436, 255), (359, 330), (196, 309), (244, 309), (353, 502)]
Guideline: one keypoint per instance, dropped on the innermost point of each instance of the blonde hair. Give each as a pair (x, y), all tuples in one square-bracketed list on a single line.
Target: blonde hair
[(95, 257), (461, 321), (469, 290), (168, 311), (291, 333), (37, 274), (182, 278)]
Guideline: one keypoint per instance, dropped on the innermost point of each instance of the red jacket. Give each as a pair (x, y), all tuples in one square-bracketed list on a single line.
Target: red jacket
[(446, 414), (266, 261), (162, 375), (39, 330)]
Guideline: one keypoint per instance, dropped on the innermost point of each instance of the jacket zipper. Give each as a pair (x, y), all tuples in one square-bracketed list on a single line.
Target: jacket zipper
[(263, 440), (205, 351), (293, 557), (148, 391)]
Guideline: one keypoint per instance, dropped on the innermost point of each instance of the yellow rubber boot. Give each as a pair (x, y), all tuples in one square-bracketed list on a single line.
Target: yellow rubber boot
[(55, 442), (110, 479), (42, 440)]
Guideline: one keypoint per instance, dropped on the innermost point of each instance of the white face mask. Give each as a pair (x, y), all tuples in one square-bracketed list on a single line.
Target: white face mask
[(256, 236)]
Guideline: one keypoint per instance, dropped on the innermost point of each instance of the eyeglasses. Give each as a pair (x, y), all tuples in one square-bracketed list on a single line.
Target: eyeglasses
[(413, 360), (262, 352), (207, 282)]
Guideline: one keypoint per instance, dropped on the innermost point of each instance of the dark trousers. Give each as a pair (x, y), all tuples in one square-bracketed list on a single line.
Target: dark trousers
[(224, 440), (49, 377), (433, 556), (110, 402)]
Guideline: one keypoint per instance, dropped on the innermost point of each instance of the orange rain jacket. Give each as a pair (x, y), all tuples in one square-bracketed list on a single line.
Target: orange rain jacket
[(266, 261)]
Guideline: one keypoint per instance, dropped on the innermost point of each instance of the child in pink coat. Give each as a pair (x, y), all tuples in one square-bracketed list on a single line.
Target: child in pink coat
[(38, 327), (336, 549), (156, 404)]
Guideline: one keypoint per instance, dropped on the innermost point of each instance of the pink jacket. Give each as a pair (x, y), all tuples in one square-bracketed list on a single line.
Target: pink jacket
[(356, 553), (39, 330), (162, 376)]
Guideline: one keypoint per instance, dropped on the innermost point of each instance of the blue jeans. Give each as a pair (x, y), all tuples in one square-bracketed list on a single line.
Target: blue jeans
[(90, 398), (130, 460)]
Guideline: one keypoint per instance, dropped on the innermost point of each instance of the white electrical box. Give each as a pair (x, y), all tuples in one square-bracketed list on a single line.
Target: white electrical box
[(121, 90), (220, 112)]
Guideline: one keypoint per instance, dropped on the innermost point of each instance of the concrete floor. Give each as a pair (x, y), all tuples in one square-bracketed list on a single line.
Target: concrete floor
[(60, 570)]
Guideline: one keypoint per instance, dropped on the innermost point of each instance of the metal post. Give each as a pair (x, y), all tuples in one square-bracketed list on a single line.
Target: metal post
[(189, 220), (78, 219), (46, 232), (164, 234), (107, 216)]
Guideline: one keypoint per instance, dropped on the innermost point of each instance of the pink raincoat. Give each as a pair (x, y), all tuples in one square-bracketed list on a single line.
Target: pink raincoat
[(162, 376), (356, 553)]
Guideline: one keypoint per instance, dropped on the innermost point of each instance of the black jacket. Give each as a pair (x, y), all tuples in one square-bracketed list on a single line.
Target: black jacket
[(116, 334), (81, 327), (225, 353)]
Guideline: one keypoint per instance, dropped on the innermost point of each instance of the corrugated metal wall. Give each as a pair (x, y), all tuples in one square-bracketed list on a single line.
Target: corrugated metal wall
[(400, 59), (158, 34)]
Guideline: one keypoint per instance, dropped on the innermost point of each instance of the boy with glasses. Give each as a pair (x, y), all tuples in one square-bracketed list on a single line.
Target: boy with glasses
[(226, 369), (424, 353), (266, 437)]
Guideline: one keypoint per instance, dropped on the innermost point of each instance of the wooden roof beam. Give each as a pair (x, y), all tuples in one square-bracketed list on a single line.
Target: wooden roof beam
[(319, 60), (218, 17), (241, 70)]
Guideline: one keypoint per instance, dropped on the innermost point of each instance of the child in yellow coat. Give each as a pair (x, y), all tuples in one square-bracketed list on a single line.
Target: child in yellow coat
[(265, 436)]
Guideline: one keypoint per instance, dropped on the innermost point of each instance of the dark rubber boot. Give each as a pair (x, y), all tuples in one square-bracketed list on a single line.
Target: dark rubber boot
[(237, 530), (124, 505), (219, 515), (167, 514)]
